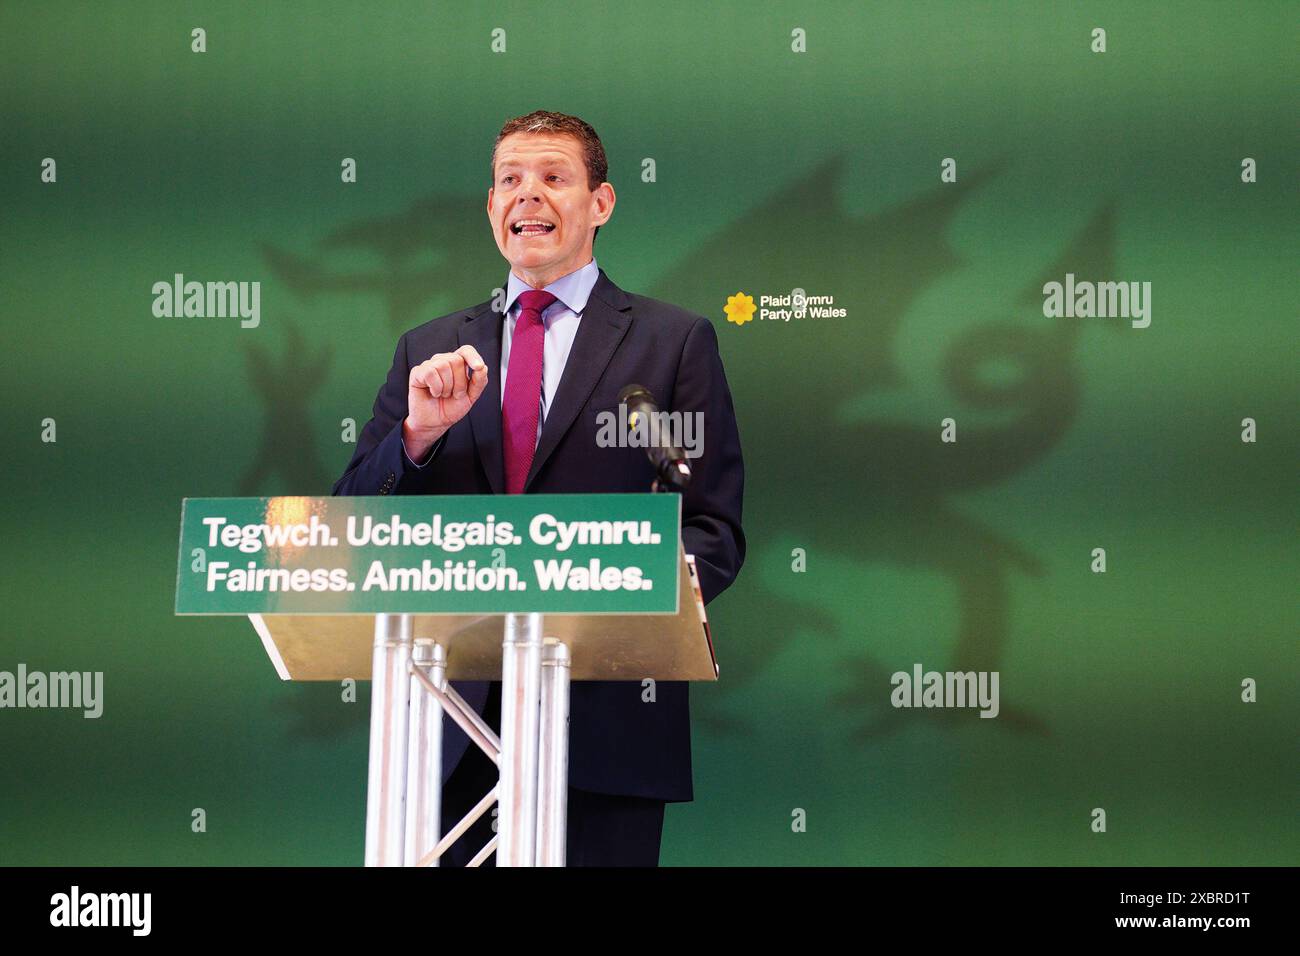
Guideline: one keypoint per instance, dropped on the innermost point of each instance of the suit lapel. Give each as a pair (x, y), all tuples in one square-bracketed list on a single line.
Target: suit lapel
[(603, 325), (483, 331)]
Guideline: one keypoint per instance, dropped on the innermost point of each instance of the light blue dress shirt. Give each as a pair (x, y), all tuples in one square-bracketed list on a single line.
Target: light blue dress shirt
[(560, 320)]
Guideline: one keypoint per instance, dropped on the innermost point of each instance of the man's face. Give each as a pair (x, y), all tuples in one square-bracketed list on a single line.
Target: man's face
[(542, 176)]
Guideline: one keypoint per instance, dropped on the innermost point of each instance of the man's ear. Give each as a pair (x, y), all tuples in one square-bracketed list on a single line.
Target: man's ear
[(605, 199), (489, 204)]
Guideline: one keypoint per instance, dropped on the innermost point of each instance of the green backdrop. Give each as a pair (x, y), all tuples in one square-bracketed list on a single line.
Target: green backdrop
[(772, 169)]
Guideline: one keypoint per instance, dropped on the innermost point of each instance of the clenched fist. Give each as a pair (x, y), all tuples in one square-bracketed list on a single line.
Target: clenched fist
[(440, 393)]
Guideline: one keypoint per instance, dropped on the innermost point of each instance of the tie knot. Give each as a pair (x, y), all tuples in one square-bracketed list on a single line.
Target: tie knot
[(535, 301)]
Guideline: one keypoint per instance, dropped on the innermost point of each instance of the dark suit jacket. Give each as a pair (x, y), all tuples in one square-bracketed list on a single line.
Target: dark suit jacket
[(618, 744)]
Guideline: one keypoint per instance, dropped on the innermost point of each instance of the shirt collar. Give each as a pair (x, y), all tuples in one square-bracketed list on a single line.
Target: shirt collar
[(573, 290)]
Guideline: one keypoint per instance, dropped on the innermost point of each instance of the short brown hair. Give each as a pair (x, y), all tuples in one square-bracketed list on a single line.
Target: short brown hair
[(544, 121)]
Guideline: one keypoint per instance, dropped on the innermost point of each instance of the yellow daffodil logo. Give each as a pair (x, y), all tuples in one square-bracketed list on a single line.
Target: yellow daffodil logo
[(740, 308)]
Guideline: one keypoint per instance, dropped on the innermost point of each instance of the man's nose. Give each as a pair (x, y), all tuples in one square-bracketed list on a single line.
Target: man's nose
[(530, 189)]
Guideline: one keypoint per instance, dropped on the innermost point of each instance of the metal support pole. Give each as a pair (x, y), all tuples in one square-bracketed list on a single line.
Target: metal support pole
[(484, 853), (521, 679), (390, 686), (454, 706), (553, 782), (459, 828), (478, 730), (424, 754)]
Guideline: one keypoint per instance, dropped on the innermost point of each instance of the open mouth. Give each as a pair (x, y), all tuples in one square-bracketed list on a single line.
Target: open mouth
[(532, 227)]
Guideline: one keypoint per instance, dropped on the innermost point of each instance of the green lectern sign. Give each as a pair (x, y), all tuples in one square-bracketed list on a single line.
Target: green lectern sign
[(434, 554)]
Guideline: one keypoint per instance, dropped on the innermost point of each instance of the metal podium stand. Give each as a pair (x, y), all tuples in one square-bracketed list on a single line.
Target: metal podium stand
[(411, 660)]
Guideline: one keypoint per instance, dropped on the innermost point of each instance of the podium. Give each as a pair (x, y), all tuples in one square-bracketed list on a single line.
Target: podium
[(580, 623)]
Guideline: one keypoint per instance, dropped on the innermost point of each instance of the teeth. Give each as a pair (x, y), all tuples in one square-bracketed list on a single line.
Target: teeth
[(526, 223)]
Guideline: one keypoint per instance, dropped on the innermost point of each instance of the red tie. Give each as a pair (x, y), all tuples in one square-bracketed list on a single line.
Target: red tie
[(519, 405)]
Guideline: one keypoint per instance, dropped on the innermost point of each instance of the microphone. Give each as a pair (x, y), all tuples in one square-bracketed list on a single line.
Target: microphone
[(672, 469)]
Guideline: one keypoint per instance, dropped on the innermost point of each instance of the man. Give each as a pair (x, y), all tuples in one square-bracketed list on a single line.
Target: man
[(481, 403)]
